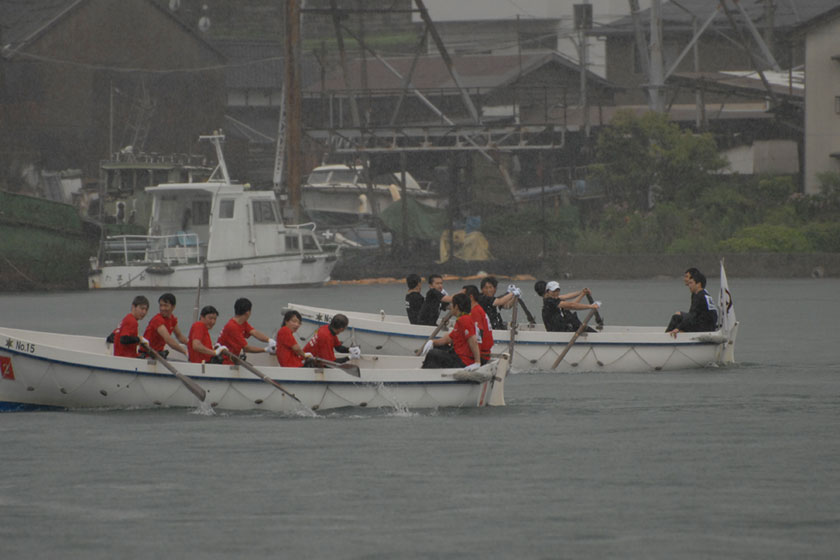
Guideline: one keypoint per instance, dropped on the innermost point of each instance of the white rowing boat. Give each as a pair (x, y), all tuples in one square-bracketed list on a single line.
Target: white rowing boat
[(612, 349), (42, 369)]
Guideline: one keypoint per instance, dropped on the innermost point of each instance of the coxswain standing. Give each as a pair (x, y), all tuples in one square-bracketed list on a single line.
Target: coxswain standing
[(464, 352), (234, 335), (126, 336), (163, 325), (199, 343)]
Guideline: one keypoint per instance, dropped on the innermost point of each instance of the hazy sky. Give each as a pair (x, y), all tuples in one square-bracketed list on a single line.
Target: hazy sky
[(448, 10)]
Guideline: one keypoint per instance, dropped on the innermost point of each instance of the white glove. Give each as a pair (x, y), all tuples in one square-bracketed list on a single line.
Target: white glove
[(510, 288), (427, 347), (272, 342), (144, 341), (597, 304), (472, 367), (307, 355), (516, 291), (444, 292), (220, 349), (355, 352), (271, 348)]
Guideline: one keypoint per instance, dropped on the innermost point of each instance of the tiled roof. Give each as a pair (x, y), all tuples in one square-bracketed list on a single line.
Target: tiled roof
[(259, 64)]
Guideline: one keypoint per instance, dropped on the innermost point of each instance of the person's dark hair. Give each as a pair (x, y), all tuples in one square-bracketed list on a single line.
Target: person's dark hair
[(209, 310), (241, 306), (140, 300), (412, 281), (289, 314), (462, 301), (471, 290), (168, 298), (489, 280), (699, 277), (539, 287), (433, 276), (339, 321), (691, 271)]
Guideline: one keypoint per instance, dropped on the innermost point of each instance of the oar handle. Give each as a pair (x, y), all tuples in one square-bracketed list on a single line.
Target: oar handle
[(513, 326), (527, 312), (598, 318), (348, 368), (194, 387), (435, 332), (240, 362), (578, 332)]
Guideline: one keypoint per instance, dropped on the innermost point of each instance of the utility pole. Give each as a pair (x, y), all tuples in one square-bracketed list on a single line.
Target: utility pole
[(293, 105), (583, 23), (656, 79)]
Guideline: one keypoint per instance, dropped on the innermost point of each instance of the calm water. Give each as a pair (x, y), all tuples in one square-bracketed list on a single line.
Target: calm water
[(742, 462)]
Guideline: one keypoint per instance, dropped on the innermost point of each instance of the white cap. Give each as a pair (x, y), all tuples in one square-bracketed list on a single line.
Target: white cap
[(551, 286)]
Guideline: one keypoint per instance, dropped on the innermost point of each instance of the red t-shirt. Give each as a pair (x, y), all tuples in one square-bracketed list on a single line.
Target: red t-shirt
[(323, 343), (483, 332), (285, 355), (234, 337), (127, 327), (199, 332), (464, 328), (155, 340)]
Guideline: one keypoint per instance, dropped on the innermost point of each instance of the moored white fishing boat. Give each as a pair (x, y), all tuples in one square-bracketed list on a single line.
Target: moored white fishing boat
[(42, 369), (218, 232), (612, 349)]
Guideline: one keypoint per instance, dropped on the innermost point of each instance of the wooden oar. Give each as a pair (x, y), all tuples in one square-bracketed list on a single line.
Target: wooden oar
[(240, 362), (527, 312), (352, 369), (513, 326), (194, 387), (436, 331), (578, 332), (598, 318), (197, 303)]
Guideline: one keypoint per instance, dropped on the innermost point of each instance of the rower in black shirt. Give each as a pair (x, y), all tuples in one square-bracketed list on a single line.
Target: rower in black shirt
[(413, 299), (436, 301), (491, 304)]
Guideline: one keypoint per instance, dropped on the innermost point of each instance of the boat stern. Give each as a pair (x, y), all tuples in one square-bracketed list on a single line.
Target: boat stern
[(496, 385)]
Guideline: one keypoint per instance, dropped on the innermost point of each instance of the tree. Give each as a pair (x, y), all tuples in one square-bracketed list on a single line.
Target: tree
[(646, 158)]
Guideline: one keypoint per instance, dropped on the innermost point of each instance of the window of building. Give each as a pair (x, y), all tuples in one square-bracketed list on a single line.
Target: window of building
[(226, 209)]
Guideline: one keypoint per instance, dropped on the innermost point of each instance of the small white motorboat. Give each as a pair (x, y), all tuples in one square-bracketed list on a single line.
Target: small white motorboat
[(218, 232)]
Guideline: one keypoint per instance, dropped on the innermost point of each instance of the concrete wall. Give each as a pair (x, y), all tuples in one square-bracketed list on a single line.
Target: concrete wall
[(822, 95)]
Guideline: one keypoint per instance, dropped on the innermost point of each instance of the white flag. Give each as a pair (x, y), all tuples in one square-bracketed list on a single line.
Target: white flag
[(726, 308)]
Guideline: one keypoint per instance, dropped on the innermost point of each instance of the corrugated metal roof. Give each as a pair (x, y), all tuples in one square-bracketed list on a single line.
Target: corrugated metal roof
[(677, 15), (430, 72)]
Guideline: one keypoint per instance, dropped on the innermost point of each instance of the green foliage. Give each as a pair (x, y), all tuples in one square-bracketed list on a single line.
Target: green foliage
[(768, 238), (639, 154), (823, 236), (560, 225)]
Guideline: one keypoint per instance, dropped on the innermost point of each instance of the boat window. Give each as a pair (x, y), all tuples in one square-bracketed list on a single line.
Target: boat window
[(201, 212), (292, 243), (343, 176), (264, 212), (309, 243), (318, 177), (226, 209)]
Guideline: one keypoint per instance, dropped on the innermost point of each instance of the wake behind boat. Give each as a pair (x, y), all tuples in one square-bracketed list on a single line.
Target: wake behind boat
[(612, 349), (42, 369), (218, 232)]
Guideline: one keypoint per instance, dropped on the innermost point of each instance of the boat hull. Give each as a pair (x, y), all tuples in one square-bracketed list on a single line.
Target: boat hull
[(615, 349), (279, 270), (64, 371)]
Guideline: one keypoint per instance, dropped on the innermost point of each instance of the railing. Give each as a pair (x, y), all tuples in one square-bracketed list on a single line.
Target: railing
[(178, 248)]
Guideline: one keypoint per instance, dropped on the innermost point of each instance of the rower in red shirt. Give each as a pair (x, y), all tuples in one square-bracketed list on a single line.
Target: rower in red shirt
[(464, 352), (235, 333), (162, 326), (324, 342), (483, 332), (199, 343), (289, 352), (126, 336)]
